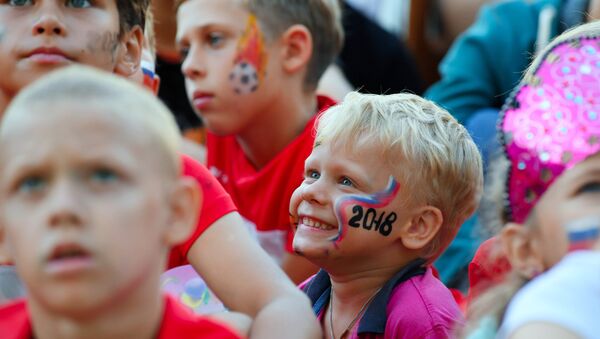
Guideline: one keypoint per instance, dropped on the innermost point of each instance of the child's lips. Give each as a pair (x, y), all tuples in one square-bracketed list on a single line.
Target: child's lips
[(69, 259), (48, 56), (202, 100)]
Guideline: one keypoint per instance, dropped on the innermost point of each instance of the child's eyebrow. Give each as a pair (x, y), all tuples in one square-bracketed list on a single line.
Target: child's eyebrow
[(200, 28)]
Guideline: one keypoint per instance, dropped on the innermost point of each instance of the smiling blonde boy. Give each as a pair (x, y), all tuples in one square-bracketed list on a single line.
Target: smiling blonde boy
[(386, 188)]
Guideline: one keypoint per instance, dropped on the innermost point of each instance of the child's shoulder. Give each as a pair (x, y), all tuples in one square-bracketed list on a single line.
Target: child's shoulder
[(14, 320), (423, 306), (178, 322)]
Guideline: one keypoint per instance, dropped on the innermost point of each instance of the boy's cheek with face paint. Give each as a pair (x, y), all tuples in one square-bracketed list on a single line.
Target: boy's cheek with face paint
[(361, 221)]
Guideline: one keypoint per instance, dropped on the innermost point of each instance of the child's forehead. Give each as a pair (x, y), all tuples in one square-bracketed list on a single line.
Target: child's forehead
[(205, 12)]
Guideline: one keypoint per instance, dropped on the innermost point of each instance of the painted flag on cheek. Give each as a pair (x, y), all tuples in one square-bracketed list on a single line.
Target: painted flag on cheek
[(361, 211), (583, 234)]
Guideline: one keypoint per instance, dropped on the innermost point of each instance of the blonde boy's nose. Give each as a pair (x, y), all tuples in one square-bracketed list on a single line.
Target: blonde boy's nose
[(314, 193)]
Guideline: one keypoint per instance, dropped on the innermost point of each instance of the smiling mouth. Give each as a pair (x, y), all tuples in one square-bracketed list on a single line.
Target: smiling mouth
[(312, 223)]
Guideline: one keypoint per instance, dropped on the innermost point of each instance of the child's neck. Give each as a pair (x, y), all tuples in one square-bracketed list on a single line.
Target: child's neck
[(351, 295), (136, 315), (274, 129)]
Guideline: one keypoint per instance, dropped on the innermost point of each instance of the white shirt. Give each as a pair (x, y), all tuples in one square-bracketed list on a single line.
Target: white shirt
[(568, 295)]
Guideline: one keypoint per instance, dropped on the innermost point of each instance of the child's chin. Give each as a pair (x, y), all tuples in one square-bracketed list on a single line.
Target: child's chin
[(311, 250)]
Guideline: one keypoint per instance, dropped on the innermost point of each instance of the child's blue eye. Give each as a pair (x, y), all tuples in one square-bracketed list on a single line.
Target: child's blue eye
[(592, 187), (104, 176), (313, 174), (346, 182), (20, 3), (215, 39), (79, 3), (31, 184)]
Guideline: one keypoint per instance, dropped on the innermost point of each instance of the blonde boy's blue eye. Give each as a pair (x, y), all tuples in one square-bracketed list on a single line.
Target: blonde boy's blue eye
[(313, 175), (31, 184), (20, 3), (346, 182), (79, 3)]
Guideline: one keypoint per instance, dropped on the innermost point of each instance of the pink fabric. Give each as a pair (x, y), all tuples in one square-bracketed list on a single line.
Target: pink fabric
[(421, 307), (552, 122)]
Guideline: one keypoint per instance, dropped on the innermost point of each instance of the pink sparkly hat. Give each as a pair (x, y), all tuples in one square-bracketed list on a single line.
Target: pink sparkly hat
[(551, 122)]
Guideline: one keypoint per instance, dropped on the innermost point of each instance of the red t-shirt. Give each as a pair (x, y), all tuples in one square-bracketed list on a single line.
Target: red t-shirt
[(215, 204), (263, 196), (177, 322)]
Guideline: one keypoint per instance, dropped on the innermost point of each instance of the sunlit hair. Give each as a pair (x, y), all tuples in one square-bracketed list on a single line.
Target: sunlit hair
[(429, 152), (323, 19), (104, 93)]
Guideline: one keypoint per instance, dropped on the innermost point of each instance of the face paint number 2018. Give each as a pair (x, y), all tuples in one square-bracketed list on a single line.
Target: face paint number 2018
[(370, 221)]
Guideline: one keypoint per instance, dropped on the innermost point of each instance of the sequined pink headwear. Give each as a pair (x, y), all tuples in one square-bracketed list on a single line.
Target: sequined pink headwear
[(551, 122)]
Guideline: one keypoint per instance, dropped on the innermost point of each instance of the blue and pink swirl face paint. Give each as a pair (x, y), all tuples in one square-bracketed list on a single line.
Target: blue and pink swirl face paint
[(583, 233), (373, 201)]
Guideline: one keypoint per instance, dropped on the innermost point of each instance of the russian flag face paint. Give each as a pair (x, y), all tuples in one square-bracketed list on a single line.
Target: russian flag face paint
[(583, 234), (362, 211)]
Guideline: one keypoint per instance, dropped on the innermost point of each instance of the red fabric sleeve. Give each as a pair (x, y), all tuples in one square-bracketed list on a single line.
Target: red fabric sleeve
[(488, 268), (216, 203)]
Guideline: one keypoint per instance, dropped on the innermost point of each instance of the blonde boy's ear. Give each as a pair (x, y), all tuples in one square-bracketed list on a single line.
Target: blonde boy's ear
[(186, 202), (424, 226), (521, 250), (129, 57), (297, 48)]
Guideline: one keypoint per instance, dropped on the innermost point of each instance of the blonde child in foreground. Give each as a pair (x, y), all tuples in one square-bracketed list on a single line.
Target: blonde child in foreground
[(91, 200), (550, 132), (386, 187)]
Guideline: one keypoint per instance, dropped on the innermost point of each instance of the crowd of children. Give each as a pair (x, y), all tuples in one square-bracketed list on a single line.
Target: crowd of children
[(309, 218)]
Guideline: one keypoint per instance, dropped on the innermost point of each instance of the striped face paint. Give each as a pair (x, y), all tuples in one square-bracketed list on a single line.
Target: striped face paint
[(583, 233), (363, 212), (249, 66)]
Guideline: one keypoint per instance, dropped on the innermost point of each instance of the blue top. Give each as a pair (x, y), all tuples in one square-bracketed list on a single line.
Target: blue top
[(487, 61)]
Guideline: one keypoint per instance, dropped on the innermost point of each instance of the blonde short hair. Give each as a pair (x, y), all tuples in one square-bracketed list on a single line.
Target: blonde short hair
[(98, 89), (429, 152)]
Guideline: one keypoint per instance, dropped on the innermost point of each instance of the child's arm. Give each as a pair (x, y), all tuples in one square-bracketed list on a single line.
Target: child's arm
[(238, 322), (297, 268), (247, 280)]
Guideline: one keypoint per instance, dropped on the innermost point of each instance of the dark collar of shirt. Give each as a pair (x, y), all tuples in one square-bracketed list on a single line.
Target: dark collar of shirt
[(375, 317)]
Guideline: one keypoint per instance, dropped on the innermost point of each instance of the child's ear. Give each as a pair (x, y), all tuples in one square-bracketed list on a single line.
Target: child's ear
[(423, 227), (297, 48), (129, 57), (521, 249), (185, 204)]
